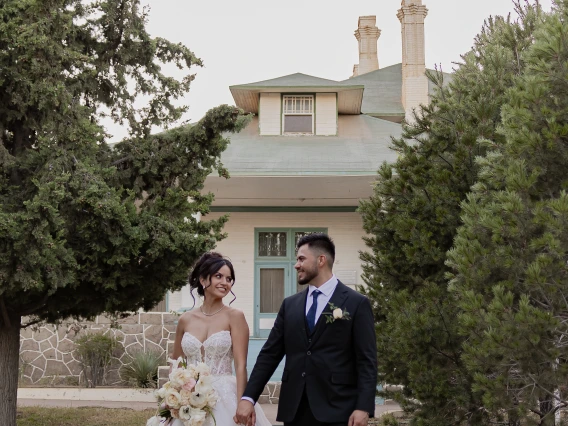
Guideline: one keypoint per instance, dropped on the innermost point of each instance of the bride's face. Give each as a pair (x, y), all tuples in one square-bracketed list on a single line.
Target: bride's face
[(219, 284)]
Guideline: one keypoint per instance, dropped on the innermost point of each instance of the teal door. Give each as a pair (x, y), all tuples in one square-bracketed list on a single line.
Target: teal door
[(274, 275)]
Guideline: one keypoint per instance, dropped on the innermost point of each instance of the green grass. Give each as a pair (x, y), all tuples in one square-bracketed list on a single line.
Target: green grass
[(87, 416)]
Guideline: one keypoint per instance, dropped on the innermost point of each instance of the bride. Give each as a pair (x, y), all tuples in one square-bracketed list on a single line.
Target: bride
[(217, 335)]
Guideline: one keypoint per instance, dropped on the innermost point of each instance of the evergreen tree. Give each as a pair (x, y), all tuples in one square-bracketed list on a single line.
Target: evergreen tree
[(510, 271), (84, 228), (412, 219)]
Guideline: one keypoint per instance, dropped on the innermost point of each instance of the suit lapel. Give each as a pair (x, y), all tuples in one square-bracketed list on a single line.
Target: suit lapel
[(338, 299), (302, 314)]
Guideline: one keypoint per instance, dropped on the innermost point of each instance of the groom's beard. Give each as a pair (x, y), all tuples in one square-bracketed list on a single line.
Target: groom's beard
[(309, 275)]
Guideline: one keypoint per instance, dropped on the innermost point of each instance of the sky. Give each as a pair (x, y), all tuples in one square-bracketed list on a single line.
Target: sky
[(252, 40)]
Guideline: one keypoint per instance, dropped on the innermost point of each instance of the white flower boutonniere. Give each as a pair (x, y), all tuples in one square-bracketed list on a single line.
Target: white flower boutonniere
[(335, 314)]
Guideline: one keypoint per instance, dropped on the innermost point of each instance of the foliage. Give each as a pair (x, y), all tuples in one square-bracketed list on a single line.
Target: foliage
[(509, 262), (94, 352), (413, 216), (86, 228), (142, 371)]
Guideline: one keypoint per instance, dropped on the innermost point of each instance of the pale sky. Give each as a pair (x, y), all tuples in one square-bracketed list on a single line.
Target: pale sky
[(251, 40)]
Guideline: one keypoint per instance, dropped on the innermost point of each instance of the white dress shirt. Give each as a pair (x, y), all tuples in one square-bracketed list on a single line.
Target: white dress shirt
[(326, 290)]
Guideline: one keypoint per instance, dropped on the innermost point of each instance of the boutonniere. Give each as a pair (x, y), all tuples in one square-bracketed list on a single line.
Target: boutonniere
[(335, 314)]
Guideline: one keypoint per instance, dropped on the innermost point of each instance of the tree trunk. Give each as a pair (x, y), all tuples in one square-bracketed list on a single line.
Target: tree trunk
[(9, 368), (547, 409)]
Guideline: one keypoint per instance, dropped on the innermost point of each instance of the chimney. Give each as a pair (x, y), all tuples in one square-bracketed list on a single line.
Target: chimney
[(414, 81), (367, 35)]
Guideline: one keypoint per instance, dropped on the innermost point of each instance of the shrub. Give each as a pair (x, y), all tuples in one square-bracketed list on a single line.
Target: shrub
[(142, 371), (94, 352)]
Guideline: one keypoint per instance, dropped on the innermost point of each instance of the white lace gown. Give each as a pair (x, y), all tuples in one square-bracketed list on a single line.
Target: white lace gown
[(217, 353)]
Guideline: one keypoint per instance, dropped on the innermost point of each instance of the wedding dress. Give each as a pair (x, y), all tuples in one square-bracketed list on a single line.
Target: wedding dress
[(217, 353)]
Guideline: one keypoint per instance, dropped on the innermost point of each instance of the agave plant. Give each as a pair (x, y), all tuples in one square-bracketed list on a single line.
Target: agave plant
[(142, 371)]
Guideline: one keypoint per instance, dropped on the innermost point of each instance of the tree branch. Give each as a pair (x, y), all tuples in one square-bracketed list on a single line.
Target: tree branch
[(36, 321), (30, 309)]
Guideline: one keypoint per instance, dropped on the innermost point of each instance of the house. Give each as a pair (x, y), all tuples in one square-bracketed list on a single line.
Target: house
[(309, 155)]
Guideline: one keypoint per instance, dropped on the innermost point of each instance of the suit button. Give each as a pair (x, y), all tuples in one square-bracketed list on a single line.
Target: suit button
[(303, 374), (309, 353), (309, 340)]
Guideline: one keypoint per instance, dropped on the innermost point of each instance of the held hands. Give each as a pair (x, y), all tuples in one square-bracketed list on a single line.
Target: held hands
[(359, 418), (245, 413)]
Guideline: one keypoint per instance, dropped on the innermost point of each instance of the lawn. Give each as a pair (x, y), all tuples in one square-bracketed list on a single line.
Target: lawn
[(87, 416)]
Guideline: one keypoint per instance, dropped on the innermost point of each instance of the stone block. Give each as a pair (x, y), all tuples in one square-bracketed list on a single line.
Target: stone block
[(27, 370), (153, 318), (74, 367), (29, 345), (132, 319), (170, 319), (53, 340), (62, 332), (66, 346), (56, 368), (263, 399), (168, 330), (153, 334), (132, 329), (50, 354), (103, 319), (26, 333), (30, 356), (44, 346), (133, 349), (163, 372), (112, 378), (39, 363), (153, 347), (43, 333), (170, 348), (37, 375)]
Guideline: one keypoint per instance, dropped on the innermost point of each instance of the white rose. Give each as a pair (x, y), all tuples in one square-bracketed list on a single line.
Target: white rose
[(160, 393), (197, 417), (337, 313), (185, 412), (202, 369), (154, 421), (180, 377), (173, 398), (212, 399), (204, 385), (185, 396), (198, 399)]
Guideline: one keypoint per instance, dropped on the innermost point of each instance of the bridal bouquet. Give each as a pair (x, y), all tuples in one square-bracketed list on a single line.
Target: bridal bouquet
[(188, 396)]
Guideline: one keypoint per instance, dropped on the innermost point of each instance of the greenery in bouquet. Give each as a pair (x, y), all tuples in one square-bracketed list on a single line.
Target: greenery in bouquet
[(188, 396)]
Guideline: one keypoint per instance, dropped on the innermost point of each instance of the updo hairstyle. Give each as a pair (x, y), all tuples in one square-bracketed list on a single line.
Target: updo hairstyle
[(206, 266)]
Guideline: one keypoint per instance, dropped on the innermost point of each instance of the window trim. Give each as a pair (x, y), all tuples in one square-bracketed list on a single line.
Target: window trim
[(284, 114)]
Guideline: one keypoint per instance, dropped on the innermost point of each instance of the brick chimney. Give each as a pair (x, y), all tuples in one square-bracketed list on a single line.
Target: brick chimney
[(367, 35), (414, 81)]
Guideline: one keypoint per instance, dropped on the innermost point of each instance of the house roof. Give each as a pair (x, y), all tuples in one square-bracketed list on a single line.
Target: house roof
[(361, 146), (348, 100), (383, 90)]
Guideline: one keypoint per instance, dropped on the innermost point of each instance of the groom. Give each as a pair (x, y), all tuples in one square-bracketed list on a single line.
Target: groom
[(330, 374)]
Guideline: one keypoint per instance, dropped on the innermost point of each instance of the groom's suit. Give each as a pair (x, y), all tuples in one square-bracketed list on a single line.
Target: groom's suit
[(334, 366)]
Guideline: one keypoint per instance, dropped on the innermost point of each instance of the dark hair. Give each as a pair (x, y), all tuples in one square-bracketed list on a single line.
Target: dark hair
[(320, 242), (208, 264)]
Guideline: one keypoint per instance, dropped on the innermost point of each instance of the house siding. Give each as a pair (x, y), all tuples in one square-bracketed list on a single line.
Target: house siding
[(269, 114), (326, 114), (345, 229)]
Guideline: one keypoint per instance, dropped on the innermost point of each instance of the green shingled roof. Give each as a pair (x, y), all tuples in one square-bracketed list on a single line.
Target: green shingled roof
[(292, 80), (361, 146)]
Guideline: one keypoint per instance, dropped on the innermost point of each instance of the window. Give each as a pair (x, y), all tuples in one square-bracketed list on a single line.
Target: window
[(298, 114)]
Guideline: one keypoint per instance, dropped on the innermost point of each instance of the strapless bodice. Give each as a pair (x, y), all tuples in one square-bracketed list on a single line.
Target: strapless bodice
[(216, 351)]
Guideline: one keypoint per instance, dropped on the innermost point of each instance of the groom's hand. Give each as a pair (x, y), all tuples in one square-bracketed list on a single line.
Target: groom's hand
[(359, 418), (245, 413)]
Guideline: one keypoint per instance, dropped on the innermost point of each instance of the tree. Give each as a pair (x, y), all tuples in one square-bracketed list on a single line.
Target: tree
[(509, 261), (84, 228), (412, 219)]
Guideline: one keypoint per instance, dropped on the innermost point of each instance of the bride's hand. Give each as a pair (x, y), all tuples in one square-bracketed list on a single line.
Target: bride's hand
[(245, 414)]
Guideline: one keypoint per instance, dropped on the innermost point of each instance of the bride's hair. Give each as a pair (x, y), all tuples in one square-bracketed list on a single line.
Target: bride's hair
[(207, 265)]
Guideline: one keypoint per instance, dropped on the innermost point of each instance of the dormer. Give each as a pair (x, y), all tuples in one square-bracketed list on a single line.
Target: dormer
[(298, 104)]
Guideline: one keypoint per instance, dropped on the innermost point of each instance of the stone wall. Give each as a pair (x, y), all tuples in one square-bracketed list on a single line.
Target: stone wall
[(47, 355)]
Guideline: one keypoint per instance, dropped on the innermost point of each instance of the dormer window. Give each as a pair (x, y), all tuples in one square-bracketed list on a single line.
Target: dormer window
[(298, 114)]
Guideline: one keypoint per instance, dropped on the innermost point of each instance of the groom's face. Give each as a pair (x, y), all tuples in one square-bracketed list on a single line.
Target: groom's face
[(306, 265)]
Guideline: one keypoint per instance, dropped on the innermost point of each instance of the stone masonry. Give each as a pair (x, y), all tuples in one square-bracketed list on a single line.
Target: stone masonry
[(47, 355)]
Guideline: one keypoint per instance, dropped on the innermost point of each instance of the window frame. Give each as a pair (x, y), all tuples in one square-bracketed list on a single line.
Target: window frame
[(312, 96)]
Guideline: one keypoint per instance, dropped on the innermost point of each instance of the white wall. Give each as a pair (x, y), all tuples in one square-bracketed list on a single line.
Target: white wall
[(345, 229), (326, 114), (269, 114)]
